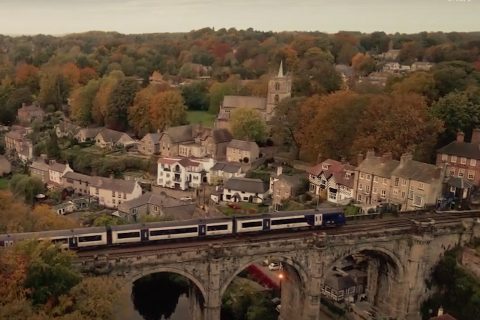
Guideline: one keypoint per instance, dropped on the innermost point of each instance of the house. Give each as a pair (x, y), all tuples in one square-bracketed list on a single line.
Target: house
[(245, 190), (108, 138), (5, 166), (376, 79), (339, 288), (242, 151), (161, 205), (279, 88), (150, 144), (66, 129), (285, 186), (372, 181), (28, 114), (332, 180), (112, 192), (77, 182), (421, 66), (40, 170), (64, 208), (182, 173), (442, 316), (347, 73), (56, 172), (17, 145), (87, 134), (462, 158), (173, 137), (223, 171), (415, 184)]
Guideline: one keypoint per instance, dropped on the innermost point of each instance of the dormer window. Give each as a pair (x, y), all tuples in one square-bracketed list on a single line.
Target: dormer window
[(325, 166)]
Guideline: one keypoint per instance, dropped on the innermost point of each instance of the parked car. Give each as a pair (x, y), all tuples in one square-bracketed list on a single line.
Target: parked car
[(275, 266), (186, 198)]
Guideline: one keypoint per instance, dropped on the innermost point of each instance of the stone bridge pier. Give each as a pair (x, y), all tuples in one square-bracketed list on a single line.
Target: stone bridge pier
[(398, 264)]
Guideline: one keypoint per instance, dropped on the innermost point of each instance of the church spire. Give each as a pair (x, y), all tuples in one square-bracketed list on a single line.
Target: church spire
[(280, 70)]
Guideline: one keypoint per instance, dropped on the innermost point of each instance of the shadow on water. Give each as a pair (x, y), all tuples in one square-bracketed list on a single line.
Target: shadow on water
[(162, 296)]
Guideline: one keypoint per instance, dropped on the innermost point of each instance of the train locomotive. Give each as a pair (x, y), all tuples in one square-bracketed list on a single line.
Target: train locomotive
[(183, 230)]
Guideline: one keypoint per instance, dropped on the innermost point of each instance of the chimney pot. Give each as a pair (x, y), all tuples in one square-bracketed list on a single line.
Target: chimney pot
[(476, 136), (406, 157), (279, 170), (461, 137), (359, 158), (440, 312)]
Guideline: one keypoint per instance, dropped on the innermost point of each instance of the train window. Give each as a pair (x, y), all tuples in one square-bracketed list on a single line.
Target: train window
[(60, 241), (90, 238), (217, 227), (125, 235), (173, 231), (288, 220), (251, 224)]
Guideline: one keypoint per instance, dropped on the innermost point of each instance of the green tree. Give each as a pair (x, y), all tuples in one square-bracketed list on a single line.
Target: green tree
[(82, 102), (120, 100), (16, 98), (247, 124), (217, 91), (420, 82), (195, 95), (54, 88), (52, 148), (26, 187)]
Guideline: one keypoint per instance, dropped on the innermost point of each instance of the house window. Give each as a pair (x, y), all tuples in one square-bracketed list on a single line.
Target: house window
[(396, 182), (452, 172), (113, 193), (403, 194), (113, 201), (375, 179), (360, 186), (367, 188), (452, 189), (420, 186), (418, 201), (124, 195), (444, 157), (404, 182), (96, 191), (471, 175), (368, 177), (362, 176), (461, 172), (277, 86), (473, 162), (155, 208), (359, 197), (375, 190), (453, 159), (384, 193), (463, 160)]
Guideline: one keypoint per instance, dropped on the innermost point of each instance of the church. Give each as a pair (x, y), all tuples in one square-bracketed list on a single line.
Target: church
[(279, 88)]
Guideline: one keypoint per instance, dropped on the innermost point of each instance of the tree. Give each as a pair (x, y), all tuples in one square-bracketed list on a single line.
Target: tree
[(285, 124), (195, 95), (101, 100), (397, 124), (52, 148), (120, 100), (138, 113), (247, 124), (217, 91), (81, 102), (167, 109), (54, 89), (27, 75), (17, 97), (26, 187), (420, 82), (363, 64)]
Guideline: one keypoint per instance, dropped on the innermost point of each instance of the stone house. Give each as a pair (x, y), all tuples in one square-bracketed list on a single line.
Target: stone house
[(245, 190), (113, 192), (161, 205), (56, 172), (462, 158), (150, 144), (87, 134), (171, 139), (28, 114), (242, 151), (332, 180), (108, 138), (40, 170), (372, 181), (5, 166), (77, 182), (66, 129), (415, 184), (284, 187), (223, 171), (181, 173), (17, 145)]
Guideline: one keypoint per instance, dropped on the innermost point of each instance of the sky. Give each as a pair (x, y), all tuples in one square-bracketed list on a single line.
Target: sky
[(59, 17)]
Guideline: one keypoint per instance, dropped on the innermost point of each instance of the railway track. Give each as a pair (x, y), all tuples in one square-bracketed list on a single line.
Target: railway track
[(372, 226)]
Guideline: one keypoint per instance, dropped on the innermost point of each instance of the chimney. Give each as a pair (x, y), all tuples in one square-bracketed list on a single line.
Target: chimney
[(279, 170), (440, 312), (319, 158), (359, 158), (405, 157), (476, 136), (461, 136), (370, 154), (386, 156)]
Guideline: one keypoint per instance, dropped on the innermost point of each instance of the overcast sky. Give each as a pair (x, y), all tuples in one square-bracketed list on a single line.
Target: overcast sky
[(147, 16)]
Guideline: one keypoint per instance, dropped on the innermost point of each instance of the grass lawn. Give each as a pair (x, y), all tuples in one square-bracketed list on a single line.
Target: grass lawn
[(205, 118), (3, 184)]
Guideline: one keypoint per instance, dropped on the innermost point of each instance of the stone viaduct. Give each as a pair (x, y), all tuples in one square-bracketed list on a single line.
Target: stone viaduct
[(401, 260)]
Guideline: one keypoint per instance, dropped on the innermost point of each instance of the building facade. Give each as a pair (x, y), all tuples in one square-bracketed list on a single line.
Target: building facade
[(245, 190), (242, 151)]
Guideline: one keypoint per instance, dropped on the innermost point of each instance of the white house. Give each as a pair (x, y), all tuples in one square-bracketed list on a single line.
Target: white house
[(332, 180), (113, 192), (182, 173), (222, 171), (56, 172), (245, 189)]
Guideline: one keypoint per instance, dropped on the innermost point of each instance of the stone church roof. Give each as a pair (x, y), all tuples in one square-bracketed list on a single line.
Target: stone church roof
[(244, 101)]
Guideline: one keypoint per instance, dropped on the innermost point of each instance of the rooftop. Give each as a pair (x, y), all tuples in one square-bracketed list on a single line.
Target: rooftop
[(242, 145), (244, 102), (246, 184)]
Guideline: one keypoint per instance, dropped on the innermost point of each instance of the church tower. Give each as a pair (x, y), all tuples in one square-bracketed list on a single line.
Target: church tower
[(279, 88)]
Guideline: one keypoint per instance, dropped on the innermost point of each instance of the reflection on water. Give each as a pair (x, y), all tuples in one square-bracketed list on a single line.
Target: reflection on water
[(160, 296)]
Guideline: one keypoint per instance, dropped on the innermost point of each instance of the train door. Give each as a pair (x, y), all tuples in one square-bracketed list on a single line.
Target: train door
[(144, 235), (72, 242), (202, 230), (109, 235), (266, 225), (310, 219)]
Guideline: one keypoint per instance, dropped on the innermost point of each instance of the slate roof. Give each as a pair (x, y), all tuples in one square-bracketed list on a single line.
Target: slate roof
[(40, 165), (113, 184), (112, 136), (89, 132), (230, 167), (459, 183), (58, 167), (154, 137), (418, 171), (78, 176), (15, 134), (221, 135), (242, 145), (333, 166), (378, 166), (461, 149), (180, 133), (244, 101), (246, 184), (340, 282), (169, 205)]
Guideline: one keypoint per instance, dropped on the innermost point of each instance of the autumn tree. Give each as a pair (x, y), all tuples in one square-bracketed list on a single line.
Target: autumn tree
[(398, 123), (421, 83), (248, 124), (121, 98), (54, 89), (27, 75), (167, 109), (363, 64), (81, 102), (26, 187), (101, 100), (139, 113)]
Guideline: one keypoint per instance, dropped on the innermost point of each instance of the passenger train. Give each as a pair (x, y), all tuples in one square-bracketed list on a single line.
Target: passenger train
[(187, 229)]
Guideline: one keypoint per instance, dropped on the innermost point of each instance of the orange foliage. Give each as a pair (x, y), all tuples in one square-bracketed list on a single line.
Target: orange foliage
[(87, 74), (26, 74), (71, 73)]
